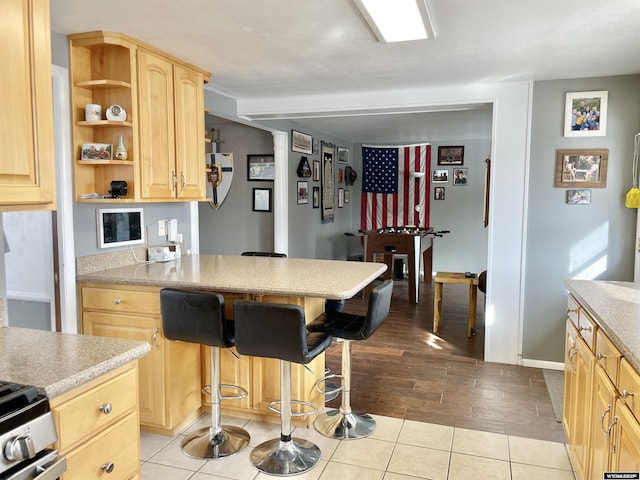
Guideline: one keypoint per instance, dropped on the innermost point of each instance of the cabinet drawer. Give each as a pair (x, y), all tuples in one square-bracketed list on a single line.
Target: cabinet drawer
[(118, 300), (82, 416), (607, 356), (587, 328), (116, 446), (629, 387), (572, 310)]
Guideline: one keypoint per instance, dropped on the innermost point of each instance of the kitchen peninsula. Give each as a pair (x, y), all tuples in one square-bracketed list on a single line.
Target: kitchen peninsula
[(124, 302)]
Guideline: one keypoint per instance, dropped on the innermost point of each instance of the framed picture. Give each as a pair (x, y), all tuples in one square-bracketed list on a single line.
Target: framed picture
[(579, 197), (327, 175), (316, 146), (487, 183), (301, 142), (583, 168), (316, 170), (343, 155), (119, 227), (340, 197), (303, 193), (451, 155), (585, 114), (316, 197), (347, 196), (438, 193), (460, 176), (261, 199), (97, 151), (261, 168), (440, 176), (340, 175)]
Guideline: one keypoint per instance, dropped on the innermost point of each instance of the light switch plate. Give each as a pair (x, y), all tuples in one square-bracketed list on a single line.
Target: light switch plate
[(162, 229)]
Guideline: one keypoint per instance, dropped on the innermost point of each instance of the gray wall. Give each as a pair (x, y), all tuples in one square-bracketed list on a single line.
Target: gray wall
[(234, 228), (593, 241)]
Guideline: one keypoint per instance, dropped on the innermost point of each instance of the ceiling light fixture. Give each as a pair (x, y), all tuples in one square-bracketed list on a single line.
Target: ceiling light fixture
[(397, 20)]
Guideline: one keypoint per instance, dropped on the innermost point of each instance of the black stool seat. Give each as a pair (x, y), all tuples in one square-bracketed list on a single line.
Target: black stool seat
[(344, 423), (264, 254), (199, 317), (279, 331)]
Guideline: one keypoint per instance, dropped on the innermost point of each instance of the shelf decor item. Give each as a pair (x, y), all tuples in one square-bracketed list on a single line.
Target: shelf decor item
[(96, 151), (92, 112), (117, 113), (121, 149)]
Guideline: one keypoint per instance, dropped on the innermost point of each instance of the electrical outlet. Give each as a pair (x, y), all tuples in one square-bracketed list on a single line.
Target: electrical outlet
[(162, 228)]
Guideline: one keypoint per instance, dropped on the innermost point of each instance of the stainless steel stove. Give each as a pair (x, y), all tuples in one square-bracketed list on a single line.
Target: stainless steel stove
[(26, 433)]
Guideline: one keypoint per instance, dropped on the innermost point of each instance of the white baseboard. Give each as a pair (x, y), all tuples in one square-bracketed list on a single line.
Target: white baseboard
[(543, 364)]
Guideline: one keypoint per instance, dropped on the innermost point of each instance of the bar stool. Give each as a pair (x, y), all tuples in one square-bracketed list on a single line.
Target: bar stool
[(343, 423), (199, 317), (278, 331)]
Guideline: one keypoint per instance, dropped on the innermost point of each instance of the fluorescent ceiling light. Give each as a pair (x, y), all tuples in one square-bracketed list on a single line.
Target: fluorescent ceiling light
[(397, 20)]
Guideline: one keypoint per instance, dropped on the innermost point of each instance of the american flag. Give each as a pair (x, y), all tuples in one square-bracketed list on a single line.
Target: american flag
[(389, 193)]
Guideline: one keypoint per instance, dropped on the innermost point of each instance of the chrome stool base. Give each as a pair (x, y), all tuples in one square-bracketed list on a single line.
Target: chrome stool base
[(335, 424), (228, 441), (284, 458)]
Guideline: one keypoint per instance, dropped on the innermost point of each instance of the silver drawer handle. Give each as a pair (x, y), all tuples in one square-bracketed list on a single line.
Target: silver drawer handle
[(108, 467), (600, 356), (117, 301), (626, 393), (604, 414), (106, 408), (588, 329), (572, 310)]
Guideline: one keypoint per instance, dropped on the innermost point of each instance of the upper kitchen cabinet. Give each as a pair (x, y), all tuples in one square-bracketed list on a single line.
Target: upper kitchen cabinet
[(27, 161), (162, 99)]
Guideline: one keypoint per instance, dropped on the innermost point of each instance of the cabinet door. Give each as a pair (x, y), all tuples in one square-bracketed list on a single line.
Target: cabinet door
[(581, 406), (627, 454), (157, 138), (27, 162), (151, 383), (569, 394), (189, 105), (604, 394)]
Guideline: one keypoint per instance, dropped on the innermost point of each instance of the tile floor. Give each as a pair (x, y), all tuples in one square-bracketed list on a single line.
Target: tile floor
[(398, 450)]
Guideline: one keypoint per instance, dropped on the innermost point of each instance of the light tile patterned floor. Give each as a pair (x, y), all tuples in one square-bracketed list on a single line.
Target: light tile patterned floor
[(398, 450)]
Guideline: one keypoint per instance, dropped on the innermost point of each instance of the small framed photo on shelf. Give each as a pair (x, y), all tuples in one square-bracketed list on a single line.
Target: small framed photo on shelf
[(301, 142), (97, 151), (585, 114), (261, 199), (343, 155), (451, 155), (582, 168), (579, 197), (303, 193), (261, 168)]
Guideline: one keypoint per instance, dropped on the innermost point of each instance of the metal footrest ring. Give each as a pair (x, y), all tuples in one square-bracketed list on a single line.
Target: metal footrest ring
[(312, 408), (243, 392)]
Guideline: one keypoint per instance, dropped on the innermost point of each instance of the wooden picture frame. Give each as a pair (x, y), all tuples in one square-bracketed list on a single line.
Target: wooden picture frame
[(585, 114), (261, 168), (451, 155), (582, 168), (301, 142), (302, 193), (262, 200)]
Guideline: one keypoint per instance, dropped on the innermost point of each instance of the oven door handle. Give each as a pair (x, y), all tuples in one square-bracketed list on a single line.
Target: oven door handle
[(51, 470)]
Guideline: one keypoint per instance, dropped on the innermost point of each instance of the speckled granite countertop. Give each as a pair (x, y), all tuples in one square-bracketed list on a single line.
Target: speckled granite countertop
[(336, 279), (59, 362), (615, 306)]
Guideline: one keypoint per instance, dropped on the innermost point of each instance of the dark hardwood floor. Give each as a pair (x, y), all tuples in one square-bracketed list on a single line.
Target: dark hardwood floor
[(404, 370)]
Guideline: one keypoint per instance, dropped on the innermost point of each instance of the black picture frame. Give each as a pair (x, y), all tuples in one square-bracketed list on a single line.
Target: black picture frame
[(316, 197), (262, 200), (261, 168), (451, 155), (302, 193), (301, 142)]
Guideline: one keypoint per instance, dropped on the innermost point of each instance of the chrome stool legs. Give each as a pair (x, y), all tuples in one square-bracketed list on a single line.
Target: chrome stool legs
[(216, 441), (343, 423), (285, 455)]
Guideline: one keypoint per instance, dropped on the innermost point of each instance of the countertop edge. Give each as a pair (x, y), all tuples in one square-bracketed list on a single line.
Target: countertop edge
[(95, 371)]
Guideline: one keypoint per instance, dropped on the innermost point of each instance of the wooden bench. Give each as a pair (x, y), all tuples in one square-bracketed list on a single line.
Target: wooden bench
[(455, 277)]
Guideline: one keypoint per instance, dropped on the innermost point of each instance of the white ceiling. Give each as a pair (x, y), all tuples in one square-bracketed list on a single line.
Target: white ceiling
[(276, 48)]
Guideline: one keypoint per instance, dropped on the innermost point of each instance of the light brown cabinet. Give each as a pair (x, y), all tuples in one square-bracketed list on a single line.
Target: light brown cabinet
[(27, 162), (602, 431), (169, 380), (163, 98), (97, 426)]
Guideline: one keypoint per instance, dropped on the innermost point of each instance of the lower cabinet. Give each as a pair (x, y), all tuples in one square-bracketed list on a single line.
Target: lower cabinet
[(600, 410), (98, 427)]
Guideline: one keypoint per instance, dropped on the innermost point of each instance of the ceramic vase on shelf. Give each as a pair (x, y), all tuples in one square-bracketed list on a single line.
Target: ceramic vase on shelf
[(121, 150)]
